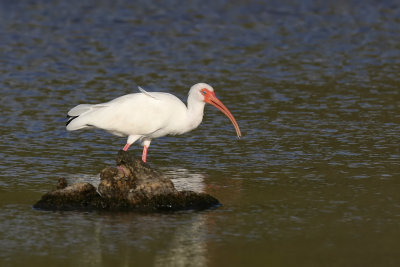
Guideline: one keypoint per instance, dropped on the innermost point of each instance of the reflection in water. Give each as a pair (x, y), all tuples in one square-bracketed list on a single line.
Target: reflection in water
[(186, 244), (84, 178), (92, 254), (93, 238), (173, 240), (187, 247), (183, 179)]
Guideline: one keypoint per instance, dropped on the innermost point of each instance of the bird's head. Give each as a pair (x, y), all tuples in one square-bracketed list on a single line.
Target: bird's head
[(205, 93)]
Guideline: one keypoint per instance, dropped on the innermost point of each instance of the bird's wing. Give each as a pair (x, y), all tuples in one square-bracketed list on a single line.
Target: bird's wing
[(78, 110), (146, 93)]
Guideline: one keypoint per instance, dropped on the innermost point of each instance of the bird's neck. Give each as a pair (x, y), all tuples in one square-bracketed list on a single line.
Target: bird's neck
[(195, 111)]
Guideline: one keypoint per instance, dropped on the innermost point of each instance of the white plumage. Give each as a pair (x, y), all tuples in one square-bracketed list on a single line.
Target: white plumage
[(147, 115)]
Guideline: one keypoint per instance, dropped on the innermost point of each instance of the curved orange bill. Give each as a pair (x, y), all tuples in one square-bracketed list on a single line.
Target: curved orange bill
[(213, 100)]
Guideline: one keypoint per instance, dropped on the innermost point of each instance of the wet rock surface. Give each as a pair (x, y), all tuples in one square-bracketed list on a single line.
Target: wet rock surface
[(132, 185)]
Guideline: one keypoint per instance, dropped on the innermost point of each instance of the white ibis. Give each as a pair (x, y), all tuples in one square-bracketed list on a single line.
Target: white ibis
[(147, 115)]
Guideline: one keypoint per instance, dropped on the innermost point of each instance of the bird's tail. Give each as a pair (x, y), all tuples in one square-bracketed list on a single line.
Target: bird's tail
[(75, 113)]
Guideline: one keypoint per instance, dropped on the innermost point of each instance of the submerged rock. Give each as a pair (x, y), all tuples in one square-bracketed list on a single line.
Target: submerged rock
[(133, 185)]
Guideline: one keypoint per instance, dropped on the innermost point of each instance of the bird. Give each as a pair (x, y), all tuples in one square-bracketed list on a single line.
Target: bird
[(144, 116)]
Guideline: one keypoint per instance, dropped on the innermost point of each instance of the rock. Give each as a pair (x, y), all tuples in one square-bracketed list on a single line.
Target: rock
[(62, 183), (79, 196), (133, 185)]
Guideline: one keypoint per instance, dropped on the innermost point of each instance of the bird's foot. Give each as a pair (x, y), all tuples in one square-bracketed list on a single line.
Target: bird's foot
[(144, 155), (123, 172)]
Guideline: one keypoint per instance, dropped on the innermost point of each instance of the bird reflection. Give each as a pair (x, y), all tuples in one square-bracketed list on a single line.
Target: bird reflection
[(183, 179)]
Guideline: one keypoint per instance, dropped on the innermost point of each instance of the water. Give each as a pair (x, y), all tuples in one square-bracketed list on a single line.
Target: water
[(314, 86)]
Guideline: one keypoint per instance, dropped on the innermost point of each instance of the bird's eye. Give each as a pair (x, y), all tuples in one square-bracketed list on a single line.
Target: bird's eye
[(203, 92)]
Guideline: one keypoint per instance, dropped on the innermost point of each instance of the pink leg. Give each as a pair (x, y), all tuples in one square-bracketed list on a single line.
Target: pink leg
[(144, 155), (126, 147)]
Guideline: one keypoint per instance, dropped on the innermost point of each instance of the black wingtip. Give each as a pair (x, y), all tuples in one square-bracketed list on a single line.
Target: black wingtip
[(70, 118)]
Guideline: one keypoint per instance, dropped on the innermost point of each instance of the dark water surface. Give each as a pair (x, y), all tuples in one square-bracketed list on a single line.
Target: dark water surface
[(314, 86)]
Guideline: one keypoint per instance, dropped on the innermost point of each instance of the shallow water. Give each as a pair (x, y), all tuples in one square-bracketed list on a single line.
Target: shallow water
[(313, 85)]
